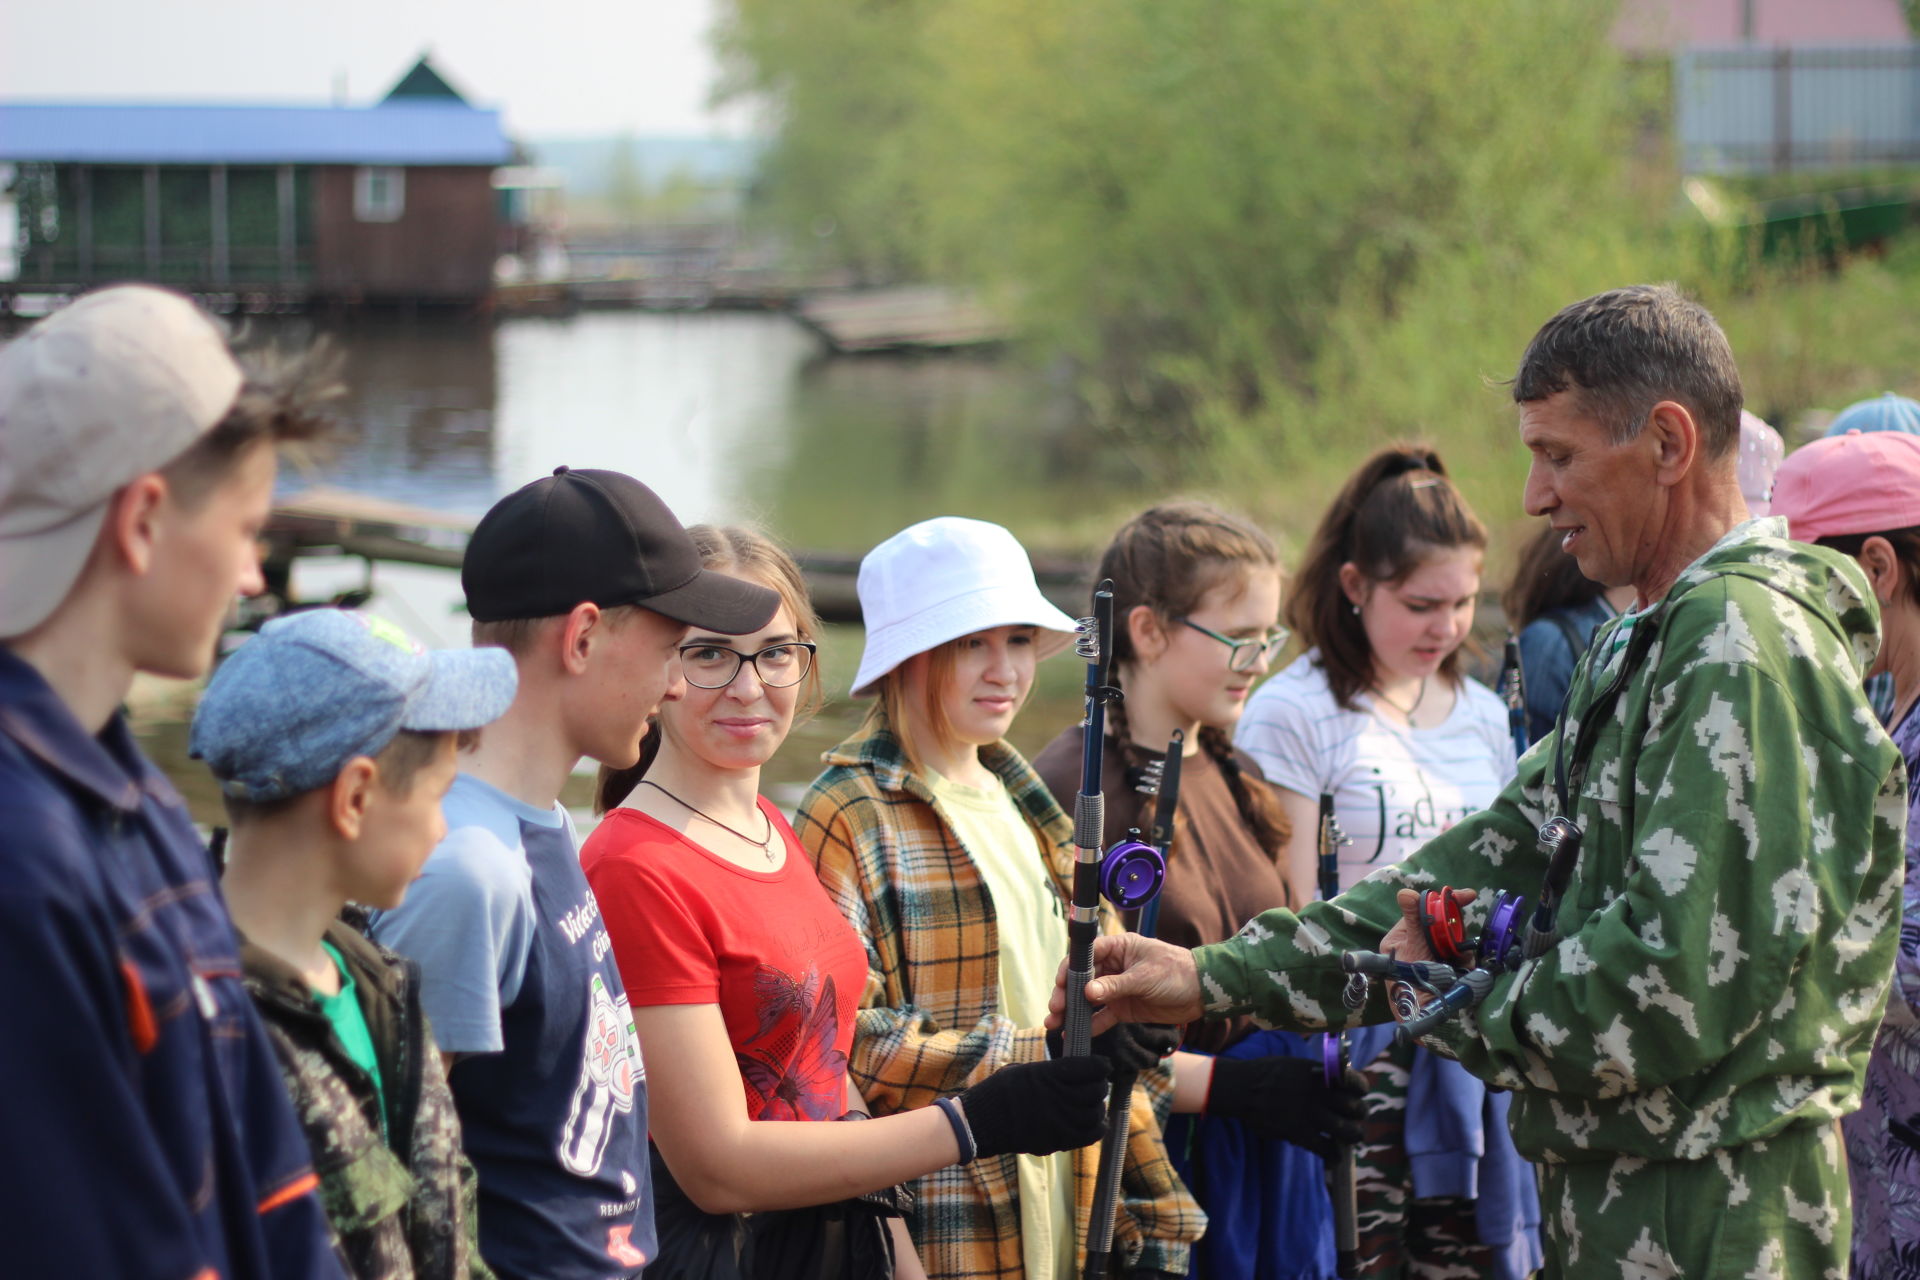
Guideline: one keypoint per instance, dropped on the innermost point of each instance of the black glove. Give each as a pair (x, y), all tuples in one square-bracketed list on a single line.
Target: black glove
[(1038, 1108), (1129, 1047), (1289, 1100)]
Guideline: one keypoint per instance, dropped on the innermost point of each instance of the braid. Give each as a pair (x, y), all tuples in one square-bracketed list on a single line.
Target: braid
[(1130, 763), (1258, 807)]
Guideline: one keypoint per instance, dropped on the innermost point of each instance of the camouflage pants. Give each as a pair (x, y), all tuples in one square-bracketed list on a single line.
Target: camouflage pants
[(1400, 1236), (1774, 1210)]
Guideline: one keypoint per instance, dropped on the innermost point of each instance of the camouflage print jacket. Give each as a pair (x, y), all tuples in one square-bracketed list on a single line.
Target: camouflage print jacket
[(1728, 936), (405, 1216)]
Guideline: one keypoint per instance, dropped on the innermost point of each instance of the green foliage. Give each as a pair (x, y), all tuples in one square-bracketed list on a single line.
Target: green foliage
[(844, 81), (1188, 197), (1266, 237)]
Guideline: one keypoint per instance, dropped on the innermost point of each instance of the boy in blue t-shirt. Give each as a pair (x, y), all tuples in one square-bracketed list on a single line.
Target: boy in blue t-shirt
[(589, 582), (333, 737)]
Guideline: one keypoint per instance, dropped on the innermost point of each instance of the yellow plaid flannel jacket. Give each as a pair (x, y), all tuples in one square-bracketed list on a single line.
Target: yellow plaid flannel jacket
[(928, 1024)]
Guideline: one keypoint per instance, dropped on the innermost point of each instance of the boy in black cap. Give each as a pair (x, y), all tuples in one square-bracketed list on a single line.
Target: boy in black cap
[(589, 581)]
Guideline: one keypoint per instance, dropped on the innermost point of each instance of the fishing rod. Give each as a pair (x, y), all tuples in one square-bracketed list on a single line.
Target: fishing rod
[(1095, 644), (1513, 690), (1131, 876), (1333, 1060)]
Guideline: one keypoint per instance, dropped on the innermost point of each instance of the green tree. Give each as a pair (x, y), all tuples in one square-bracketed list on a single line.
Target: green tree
[(1252, 228), (844, 82)]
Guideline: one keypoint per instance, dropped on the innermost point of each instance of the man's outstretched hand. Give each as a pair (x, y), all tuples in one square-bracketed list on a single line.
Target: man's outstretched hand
[(1140, 980)]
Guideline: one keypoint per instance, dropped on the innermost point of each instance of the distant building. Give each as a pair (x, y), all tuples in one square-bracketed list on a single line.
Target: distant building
[(1779, 86), (1649, 26), (388, 203)]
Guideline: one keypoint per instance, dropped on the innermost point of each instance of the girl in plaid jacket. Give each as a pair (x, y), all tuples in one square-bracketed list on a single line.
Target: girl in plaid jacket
[(948, 855)]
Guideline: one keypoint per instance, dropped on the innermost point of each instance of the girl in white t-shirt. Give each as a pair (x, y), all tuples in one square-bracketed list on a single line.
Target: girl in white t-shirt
[(1378, 715)]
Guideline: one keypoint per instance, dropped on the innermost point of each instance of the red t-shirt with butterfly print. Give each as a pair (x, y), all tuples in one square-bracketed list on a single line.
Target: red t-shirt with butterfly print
[(768, 947)]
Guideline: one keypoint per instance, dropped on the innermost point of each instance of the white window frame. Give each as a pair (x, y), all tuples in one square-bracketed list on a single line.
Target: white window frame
[(379, 193)]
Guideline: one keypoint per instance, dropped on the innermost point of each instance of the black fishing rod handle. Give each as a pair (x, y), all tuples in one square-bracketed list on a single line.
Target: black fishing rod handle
[(1106, 1185), (1340, 1174), (1346, 1213), (1083, 920)]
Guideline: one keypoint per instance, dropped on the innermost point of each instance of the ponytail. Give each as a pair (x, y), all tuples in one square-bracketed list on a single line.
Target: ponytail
[(615, 785), (1394, 513)]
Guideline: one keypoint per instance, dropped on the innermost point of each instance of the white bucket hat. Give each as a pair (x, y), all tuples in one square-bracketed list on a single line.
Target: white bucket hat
[(942, 579), (117, 384)]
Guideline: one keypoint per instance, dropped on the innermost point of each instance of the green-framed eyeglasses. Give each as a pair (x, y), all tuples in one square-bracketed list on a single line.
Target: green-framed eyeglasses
[(714, 666), (1248, 653)]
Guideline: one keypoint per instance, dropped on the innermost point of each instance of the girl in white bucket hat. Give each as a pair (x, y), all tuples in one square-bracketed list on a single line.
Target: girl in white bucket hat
[(948, 854)]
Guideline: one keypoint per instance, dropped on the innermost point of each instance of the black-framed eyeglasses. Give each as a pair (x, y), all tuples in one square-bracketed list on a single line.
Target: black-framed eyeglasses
[(1250, 652), (713, 666)]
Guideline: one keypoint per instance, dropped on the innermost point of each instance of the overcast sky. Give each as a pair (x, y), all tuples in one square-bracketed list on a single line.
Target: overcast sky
[(557, 67)]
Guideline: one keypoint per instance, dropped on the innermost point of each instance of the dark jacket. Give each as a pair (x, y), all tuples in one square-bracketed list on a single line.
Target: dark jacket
[(402, 1206), (145, 1130)]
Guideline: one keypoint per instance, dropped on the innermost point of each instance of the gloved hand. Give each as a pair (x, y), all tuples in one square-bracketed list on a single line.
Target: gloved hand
[(1129, 1047), (1288, 1100), (1038, 1108)]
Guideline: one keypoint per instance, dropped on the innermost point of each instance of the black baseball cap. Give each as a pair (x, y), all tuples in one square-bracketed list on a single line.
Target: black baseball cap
[(603, 537)]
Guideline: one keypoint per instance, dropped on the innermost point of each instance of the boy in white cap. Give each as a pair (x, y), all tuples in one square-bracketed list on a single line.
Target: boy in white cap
[(333, 737), (148, 1133)]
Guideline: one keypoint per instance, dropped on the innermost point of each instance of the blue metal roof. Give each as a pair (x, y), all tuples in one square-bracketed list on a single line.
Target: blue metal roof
[(395, 133)]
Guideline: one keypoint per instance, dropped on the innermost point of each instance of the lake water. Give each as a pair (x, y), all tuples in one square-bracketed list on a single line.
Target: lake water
[(728, 417)]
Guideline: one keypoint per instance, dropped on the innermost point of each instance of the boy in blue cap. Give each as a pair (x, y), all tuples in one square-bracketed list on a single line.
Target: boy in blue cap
[(333, 736)]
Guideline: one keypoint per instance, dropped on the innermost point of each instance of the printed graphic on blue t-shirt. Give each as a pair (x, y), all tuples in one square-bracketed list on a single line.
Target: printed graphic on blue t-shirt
[(555, 1121)]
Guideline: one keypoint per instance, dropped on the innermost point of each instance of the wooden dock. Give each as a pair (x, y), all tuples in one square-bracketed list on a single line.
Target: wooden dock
[(331, 521), (913, 318)]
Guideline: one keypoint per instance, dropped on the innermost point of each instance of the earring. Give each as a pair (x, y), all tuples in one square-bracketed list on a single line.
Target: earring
[(1355, 608)]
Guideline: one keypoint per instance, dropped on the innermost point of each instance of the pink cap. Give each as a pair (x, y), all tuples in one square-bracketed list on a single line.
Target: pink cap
[(1860, 482)]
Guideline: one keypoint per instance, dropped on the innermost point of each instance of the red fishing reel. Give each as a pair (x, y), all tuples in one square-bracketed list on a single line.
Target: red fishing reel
[(1446, 928)]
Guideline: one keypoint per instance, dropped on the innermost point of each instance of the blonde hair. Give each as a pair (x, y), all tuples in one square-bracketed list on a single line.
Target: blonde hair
[(892, 706)]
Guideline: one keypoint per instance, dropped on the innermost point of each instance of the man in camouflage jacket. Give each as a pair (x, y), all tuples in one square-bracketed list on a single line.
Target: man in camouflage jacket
[(1679, 1058), (402, 1202)]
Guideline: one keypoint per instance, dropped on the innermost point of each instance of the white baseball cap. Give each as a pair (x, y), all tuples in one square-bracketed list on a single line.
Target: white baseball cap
[(117, 384), (942, 579)]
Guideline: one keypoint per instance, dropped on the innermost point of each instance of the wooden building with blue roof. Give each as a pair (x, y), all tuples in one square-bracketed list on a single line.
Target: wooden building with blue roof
[(391, 203)]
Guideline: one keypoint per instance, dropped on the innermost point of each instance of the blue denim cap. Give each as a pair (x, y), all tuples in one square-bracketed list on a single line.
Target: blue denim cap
[(314, 689)]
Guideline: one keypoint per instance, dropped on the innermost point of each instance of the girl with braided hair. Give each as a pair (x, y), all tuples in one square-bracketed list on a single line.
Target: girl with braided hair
[(1196, 608), (1378, 715)]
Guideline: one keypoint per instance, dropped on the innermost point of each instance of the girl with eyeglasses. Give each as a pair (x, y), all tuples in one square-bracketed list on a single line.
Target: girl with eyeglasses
[(936, 839), (1378, 715), (1196, 612), (745, 980)]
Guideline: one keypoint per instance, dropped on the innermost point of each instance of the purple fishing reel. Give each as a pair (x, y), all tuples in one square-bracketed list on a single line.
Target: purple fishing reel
[(1131, 874), (1333, 1057), (1500, 941)]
